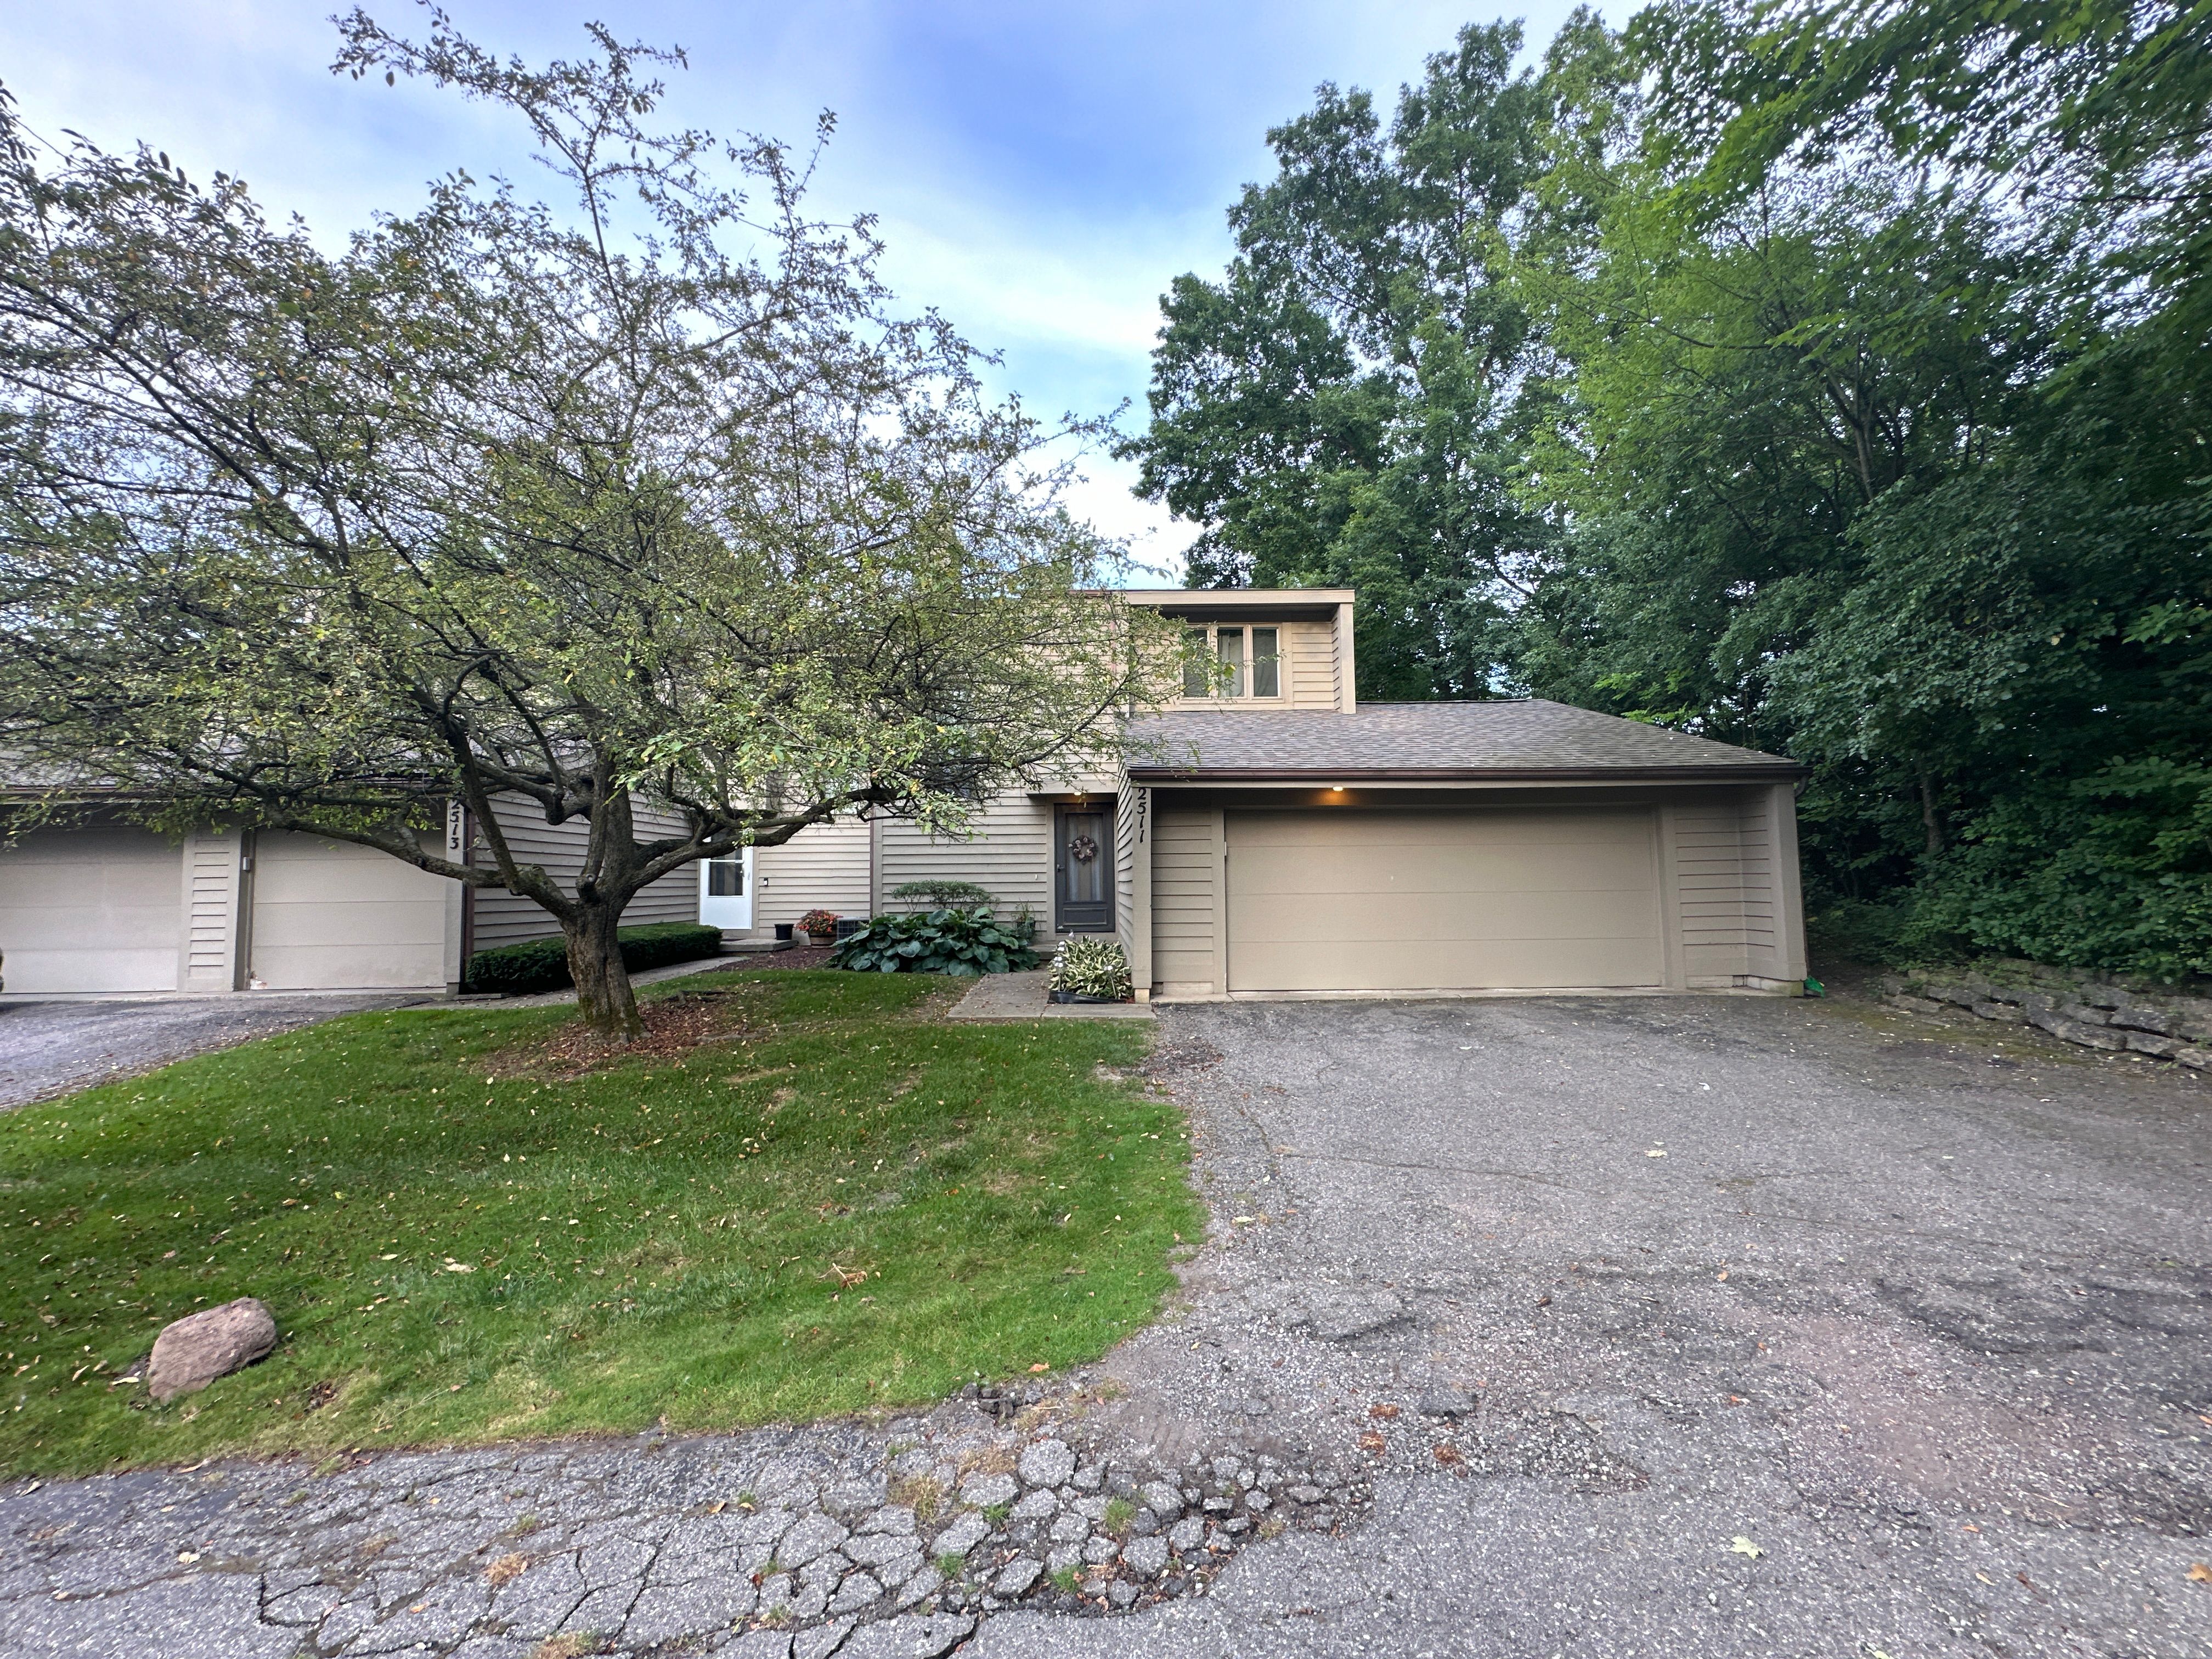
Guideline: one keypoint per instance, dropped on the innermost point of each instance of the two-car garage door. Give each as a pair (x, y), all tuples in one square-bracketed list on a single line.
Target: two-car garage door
[(99, 909), (1492, 899)]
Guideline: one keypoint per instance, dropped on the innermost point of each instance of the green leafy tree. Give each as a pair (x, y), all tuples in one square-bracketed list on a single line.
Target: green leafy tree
[(1824, 375), (1341, 408), (572, 504)]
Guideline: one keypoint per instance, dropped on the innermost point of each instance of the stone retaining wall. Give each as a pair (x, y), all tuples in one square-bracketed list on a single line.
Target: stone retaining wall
[(2096, 1013)]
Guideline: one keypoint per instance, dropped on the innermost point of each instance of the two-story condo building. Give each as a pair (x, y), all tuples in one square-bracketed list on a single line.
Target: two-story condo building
[(1270, 836), (1267, 835)]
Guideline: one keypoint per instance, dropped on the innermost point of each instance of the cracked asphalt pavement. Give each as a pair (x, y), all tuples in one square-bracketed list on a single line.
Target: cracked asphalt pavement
[(49, 1048), (1789, 1328), (1662, 1327)]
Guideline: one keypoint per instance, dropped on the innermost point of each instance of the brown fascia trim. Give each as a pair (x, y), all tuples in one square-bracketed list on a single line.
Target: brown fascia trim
[(1243, 605), (1783, 773)]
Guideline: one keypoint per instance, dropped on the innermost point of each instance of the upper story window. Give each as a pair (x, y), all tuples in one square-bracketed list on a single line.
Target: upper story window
[(1247, 662)]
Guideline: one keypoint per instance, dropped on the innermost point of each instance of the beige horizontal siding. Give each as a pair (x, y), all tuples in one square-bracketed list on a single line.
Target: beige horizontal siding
[(1186, 848), (1710, 882), (823, 868), (505, 918), (211, 876), (1310, 649), (1009, 854), (1761, 926), (1125, 867)]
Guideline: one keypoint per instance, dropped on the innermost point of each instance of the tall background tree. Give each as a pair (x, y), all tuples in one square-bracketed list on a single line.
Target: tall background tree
[(1340, 408), (1856, 408), (569, 502)]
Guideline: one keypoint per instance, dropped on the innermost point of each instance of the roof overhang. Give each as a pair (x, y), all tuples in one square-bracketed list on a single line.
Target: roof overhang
[(1242, 603), (1462, 778)]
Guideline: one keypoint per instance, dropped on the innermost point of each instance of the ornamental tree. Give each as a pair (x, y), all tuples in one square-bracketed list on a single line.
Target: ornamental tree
[(642, 493)]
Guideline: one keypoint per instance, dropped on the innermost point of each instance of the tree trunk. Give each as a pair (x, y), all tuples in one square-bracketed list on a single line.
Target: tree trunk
[(1932, 815), (604, 995)]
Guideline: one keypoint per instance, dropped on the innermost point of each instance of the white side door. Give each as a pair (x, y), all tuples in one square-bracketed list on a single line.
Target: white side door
[(725, 892)]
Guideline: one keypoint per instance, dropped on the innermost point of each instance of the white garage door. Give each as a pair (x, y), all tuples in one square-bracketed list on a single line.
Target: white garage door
[(1496, 899), (91, 910), (330, 916)]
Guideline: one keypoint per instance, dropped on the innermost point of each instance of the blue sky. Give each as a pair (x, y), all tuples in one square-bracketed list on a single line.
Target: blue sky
[(1042, 171)]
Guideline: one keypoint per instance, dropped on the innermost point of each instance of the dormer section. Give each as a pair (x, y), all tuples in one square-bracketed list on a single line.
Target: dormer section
[(1275, 647)]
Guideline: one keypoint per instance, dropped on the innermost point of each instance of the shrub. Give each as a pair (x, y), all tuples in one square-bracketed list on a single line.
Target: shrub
[(962, 942), (945, 895), (1091, 968), (541, 964)]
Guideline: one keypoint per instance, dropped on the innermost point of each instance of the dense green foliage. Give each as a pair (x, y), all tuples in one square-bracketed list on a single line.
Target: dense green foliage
[(541, 964), (962, 942), (645, 494), (838, 1203), (1091, 968), (1828, 378), (964, 894)]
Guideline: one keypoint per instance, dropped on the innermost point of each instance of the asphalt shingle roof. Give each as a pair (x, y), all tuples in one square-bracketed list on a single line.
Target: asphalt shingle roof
[(1529, 738)]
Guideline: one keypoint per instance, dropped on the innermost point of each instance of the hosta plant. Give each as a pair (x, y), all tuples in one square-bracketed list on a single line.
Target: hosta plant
[(1091, 968), (962, 942)]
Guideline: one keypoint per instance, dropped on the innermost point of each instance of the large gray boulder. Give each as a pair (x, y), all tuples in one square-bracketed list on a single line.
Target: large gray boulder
[(193, 1352)]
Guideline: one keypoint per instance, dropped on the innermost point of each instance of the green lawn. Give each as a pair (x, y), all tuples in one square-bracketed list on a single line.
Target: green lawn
[(462, 1244)]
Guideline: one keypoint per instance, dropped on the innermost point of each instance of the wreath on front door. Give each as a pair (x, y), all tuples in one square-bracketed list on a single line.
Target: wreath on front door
[(1083, 849)]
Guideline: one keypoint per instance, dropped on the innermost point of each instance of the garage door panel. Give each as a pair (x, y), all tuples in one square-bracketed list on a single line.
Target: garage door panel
[(1445, 828), (1437, 917), (368, 923), (1498, 965), (1441, 900), (328, 915), (1429, 872), (91, 910)]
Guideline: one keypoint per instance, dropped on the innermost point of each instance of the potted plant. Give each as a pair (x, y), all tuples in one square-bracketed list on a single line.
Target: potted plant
[(820, 926), (1090, 970)]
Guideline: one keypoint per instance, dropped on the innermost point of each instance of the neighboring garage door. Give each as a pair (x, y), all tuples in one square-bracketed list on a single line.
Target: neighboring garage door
[(1501, 899), (91, 910), (330, 917)]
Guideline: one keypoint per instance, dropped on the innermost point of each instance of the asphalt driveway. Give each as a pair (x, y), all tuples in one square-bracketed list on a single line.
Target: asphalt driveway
[(51, 1048), (1786, 1329), (1691, 1329)]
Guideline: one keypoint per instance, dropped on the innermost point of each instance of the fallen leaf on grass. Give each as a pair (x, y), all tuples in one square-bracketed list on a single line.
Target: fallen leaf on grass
[(1040, 1367)]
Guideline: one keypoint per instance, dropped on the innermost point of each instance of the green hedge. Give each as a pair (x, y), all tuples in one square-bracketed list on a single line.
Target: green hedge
[(541, 964)]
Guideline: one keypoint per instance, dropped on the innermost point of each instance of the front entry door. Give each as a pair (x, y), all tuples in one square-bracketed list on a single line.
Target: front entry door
[(725, 892), (1082, 870)]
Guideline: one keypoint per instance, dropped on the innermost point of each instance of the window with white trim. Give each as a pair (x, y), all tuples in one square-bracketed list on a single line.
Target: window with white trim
[(1233, 662)]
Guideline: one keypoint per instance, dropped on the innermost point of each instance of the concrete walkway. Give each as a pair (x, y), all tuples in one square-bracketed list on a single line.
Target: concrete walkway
[(1023, 996)]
